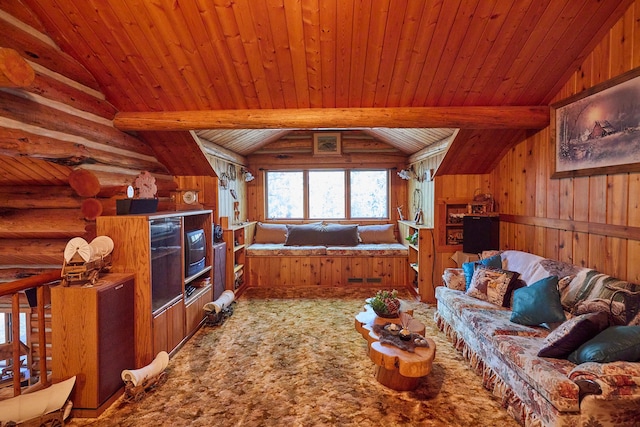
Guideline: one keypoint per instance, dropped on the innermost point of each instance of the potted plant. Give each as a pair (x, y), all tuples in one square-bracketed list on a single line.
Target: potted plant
[(386, 303)]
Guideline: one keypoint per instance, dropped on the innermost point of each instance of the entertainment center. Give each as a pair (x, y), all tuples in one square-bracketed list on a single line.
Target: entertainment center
[(171, 256)]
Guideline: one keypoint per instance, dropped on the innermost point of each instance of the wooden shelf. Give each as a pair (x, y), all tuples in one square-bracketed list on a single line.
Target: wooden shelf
[(237, 237), (421, 258), (199, 274)]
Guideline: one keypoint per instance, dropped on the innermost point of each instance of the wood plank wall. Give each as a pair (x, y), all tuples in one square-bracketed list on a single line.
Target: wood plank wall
[(60, 123), (592, 221)]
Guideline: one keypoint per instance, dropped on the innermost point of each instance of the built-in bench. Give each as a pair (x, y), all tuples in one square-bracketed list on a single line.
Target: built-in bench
[(279, 256)]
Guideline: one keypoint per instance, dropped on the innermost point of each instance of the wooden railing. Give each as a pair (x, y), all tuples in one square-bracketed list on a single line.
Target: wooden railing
[(13, 289)]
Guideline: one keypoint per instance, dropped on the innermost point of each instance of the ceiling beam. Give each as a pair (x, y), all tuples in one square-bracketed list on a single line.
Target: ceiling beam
[(505, 117)]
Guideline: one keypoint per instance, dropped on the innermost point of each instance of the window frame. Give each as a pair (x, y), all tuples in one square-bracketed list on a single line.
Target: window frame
[(347, 199)]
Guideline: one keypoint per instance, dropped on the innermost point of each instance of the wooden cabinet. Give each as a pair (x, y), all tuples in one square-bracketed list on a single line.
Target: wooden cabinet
[(194, 313), (237, 237), (93, 338), (152, 247), (169, 326), (421, 257)]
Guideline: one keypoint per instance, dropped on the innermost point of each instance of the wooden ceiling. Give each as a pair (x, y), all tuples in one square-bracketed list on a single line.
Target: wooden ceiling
[(221, 55)]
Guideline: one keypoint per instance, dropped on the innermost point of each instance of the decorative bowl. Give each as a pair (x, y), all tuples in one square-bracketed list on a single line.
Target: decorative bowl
[(392, 315)]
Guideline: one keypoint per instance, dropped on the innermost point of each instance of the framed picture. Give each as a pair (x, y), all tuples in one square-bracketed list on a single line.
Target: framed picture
[(327, 144), (598, 130)]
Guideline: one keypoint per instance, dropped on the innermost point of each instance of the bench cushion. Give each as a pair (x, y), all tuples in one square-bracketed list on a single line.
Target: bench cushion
[(279, 249), (382, 249)]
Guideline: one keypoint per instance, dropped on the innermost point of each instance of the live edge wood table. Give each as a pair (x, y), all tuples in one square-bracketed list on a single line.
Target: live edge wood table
[(396, 369)]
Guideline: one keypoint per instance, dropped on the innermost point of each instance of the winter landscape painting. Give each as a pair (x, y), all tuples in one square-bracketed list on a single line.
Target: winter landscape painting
[(599, 132)]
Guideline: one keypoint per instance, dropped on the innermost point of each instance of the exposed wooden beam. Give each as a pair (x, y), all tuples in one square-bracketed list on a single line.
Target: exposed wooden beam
[(14, 70), (507, 117)]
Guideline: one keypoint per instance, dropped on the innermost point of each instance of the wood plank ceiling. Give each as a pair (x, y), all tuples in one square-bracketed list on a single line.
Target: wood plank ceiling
[(187, 55)]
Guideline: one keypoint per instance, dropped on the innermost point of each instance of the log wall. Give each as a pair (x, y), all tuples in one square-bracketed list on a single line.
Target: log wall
[(593, 221), (58, 124)]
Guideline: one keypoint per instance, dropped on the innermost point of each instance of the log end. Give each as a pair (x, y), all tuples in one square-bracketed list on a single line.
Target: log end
[(14, 70)]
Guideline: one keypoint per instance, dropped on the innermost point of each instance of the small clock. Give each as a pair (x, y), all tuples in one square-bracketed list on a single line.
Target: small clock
[(190, 197)]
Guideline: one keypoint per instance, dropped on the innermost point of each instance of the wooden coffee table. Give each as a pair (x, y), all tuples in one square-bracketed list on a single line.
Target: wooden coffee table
[(395, 368)]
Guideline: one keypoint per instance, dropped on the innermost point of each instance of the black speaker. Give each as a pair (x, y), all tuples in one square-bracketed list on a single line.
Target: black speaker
[(480, 233)]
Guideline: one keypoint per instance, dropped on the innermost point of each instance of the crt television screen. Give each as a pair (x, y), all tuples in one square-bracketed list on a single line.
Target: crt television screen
[(195, 250)]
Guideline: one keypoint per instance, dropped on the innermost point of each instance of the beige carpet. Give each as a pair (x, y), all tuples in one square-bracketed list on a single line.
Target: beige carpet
[(300, 362)]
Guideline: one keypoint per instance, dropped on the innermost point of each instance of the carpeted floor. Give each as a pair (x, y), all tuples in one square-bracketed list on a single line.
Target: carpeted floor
[(300, 362)]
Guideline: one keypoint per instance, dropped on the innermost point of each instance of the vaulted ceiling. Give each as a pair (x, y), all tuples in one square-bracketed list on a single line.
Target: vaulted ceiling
[(382, 56)]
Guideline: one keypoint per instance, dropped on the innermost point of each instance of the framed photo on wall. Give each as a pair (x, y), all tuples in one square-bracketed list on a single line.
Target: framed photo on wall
[(597, 131), (327, 144)]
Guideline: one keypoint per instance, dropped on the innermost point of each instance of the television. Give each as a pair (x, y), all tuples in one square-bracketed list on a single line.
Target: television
[(194, 252)]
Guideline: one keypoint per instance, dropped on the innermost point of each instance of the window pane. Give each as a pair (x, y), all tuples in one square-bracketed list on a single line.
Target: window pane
[(369, 194), (285, 195), (326, 194)]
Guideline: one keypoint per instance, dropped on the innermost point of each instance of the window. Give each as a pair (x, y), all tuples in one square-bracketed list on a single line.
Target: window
[(327, 194), (369, 195), (285, 195)]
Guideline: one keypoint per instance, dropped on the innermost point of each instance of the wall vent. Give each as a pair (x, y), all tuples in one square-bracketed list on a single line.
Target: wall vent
[(374, 279)]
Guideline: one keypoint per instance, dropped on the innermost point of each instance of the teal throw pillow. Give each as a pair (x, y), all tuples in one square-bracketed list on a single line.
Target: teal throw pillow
[(538, 303), (469, 267), (616, 343)]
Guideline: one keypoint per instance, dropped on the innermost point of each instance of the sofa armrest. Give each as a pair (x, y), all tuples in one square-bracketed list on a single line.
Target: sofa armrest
[(614, 379)]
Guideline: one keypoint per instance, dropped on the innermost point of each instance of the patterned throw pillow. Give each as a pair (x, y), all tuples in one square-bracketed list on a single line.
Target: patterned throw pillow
[(469, 267), (491, 284), (572, 334), (613, 309), (453, 278)]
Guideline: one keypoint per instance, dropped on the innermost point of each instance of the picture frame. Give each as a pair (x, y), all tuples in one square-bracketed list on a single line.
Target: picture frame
[(327, 144), (596, 131)]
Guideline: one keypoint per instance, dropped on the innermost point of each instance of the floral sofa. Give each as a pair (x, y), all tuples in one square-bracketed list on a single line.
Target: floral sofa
[(593, 379), (326, 254)]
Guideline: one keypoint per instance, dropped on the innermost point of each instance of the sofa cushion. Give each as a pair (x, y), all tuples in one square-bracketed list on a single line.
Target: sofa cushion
[(538, 303), (322, 234), (457, 301), (491, 284), (616, 343), (549, 377), (491, 323), (379, 233), (270, 233), (614, 309), (572, 334)]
